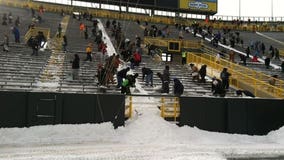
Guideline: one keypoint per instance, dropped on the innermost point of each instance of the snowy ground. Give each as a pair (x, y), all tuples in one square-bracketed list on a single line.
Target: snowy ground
[(145, 136)]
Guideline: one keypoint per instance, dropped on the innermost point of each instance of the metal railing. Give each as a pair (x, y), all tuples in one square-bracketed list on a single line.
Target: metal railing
[(281, 53), (129, 108), (212, 51), (242, 77), (170, 108), (34, 31), (135, 16), (163, 42)]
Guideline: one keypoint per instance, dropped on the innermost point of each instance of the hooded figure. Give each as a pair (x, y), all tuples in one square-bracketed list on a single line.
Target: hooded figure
[(178, 87), (149, 76), (202, 73), (75, 67), (217, 87)]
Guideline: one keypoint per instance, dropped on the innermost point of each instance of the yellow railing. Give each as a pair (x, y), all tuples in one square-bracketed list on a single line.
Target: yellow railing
[(213, 51), (142, 18), (16, 3), (170, 108), (281, 53), (163, 42), (34, 31), (242, 77), (128, 108)]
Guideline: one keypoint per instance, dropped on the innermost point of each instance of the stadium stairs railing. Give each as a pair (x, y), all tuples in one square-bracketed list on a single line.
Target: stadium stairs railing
[(129, 108), (242, 77), (170, 108), (153, 19), (34, 31), (163, 42)]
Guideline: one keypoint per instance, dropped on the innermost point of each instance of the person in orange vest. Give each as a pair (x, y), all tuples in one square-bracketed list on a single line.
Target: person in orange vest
[(82, 29), (89, 50)]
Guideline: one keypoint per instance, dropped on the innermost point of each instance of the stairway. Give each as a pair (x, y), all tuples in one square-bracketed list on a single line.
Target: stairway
[(49, 77)]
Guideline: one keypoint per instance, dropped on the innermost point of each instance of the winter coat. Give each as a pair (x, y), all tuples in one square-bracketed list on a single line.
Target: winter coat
[(217, 87), (225, 75), (122, 73), (137, 57), (146, 71), (178, 87), (76, 63), (202, 71), (166, 75)]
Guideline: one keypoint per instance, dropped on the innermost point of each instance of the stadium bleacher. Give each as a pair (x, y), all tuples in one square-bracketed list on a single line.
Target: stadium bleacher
[(22, 71)]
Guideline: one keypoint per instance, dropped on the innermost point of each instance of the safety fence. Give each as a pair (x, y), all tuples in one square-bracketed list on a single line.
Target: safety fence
[(242, 77), (134, 16), (164, 42), (212, 51)]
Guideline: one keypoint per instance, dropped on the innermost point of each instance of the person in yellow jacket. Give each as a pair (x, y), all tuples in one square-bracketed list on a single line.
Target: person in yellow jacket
[(89, 50)]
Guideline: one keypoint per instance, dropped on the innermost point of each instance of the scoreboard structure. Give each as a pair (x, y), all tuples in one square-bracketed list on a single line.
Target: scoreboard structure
[(199, 6), (206, 7)]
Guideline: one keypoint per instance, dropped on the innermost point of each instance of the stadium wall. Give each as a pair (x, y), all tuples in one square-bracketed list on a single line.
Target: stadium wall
[(25, 109), (250, 116)]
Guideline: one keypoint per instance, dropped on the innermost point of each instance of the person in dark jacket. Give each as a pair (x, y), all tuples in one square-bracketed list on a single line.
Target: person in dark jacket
[(128, 82), (166, 79), (225, 75), (34, 43), (107, 23), (41, 39), (101, 74), (178, 87), (165, 84), (282, 66), (64, 43), (202, 73), (120, 75), (75, 67), (16, 33), (59, 31), (149, 76), (217, 87)]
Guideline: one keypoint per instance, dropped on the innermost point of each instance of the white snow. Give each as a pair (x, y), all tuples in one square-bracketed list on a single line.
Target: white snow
[(110, 48), (144, 136)]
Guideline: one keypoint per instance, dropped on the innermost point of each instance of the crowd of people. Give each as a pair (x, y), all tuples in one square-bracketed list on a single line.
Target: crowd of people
[(35, 42), (7, 20), (131, 51)]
